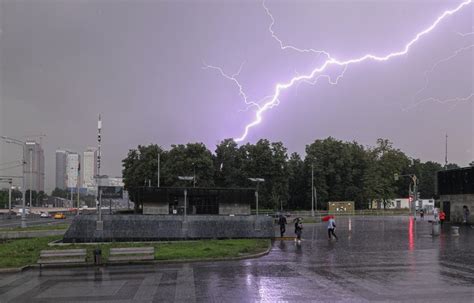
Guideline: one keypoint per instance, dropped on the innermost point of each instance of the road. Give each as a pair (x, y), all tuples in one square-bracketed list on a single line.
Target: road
[(375, 259), (15, 221)]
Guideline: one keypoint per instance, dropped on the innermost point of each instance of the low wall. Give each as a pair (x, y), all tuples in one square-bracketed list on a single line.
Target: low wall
[(167, 227)]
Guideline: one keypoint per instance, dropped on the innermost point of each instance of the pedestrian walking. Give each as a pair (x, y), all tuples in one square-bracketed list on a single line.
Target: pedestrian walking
[(442, 217), (436, 214), (282, 223), (466, 212), (331, 228), (298, 230), (422, 214)]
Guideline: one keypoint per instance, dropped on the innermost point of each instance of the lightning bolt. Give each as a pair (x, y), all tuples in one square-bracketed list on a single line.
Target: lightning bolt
[(284, 46), (451, 100), (429, 71), (465, 34), (233, 78), (279, 87)]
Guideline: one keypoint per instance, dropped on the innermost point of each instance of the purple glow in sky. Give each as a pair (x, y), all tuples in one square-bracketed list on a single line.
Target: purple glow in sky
[(274, 100), (172, 72)]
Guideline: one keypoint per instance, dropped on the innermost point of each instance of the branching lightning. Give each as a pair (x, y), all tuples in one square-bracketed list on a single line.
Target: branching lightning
[(447, 101), (429, 71), (284, 46), (279, 87), (465, 34)]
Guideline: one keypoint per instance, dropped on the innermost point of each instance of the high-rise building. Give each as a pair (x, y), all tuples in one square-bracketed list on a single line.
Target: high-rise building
[(73, 162), (90, 168), (61, 164), (34, 166)]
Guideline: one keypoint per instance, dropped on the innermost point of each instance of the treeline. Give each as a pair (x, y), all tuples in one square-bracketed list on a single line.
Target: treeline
[(342, 171)]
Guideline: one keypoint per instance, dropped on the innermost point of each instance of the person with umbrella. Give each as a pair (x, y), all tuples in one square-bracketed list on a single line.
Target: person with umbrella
[(331, 227)]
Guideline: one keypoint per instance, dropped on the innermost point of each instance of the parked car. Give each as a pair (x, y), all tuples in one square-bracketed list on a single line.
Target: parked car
[(59, 216), (44, 215)]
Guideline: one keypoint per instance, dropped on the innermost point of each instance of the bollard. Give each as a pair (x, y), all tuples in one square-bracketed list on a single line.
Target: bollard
[(455, 230), (97, 256), (435, 229)]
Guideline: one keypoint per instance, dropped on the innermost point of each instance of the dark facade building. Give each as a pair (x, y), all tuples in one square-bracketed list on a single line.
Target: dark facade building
[(199, 201), (456, 190)]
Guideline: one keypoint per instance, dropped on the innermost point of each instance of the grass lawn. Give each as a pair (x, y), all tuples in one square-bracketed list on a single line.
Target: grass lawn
[(21, 252), (15, 253), (38, 227)]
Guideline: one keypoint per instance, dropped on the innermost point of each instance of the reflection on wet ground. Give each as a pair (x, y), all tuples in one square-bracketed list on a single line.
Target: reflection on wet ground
[(375, 259)]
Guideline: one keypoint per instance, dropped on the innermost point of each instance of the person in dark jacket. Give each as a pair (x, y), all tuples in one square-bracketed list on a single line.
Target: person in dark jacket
[(282, 223), (298, 229)]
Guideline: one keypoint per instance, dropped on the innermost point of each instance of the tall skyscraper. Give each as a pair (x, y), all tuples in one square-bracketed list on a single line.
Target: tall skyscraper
[(34, 166), (90, 168), (73, 160), (61, 164)]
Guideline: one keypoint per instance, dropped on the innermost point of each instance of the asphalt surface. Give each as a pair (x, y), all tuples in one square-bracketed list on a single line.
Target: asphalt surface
[(375, 259)]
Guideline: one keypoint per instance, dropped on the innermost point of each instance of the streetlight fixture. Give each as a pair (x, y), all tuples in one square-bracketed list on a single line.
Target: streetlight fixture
[(258, 181), (23, 194), (185, 178), (415, 181)]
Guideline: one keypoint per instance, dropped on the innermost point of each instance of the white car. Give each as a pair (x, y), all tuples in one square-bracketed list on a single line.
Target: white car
[(44, 215)]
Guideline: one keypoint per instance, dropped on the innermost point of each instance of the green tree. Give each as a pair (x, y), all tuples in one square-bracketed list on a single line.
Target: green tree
[(385, 161), (227, 165), (339, 168), (269, 161), (297, 189)]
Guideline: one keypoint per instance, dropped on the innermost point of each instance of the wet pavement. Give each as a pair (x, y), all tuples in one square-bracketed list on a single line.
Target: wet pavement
[(375, 259)]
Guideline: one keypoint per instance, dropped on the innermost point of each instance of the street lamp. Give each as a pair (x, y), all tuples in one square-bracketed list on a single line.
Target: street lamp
[(185, 178), (23, 145), (414, 179), (257, 180)]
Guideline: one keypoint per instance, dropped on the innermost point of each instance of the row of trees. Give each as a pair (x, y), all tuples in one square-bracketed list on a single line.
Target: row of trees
[(36, 197), (342, 171)]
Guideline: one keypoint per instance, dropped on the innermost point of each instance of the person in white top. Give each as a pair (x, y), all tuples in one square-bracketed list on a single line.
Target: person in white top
[(435, 214), (331, 228)]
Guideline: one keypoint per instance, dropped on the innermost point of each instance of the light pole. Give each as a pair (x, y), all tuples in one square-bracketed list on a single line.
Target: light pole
[(23, 145), (185, 178), (256, 180), (414, 179), (158, 172), (99, 224), (312, 190)]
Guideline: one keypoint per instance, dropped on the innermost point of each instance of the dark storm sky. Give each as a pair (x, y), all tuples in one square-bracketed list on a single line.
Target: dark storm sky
[(140, 64)]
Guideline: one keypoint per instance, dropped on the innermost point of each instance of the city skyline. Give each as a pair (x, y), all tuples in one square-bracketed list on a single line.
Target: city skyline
[(63, 77)]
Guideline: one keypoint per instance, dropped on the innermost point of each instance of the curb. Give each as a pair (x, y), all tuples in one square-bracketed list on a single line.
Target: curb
[(14, 269), (35, 266)]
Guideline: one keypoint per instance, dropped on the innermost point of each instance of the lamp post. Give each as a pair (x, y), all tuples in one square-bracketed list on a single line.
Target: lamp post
[(312, 191), (185, 178), (415, 181), (256, 180), (23, 194)]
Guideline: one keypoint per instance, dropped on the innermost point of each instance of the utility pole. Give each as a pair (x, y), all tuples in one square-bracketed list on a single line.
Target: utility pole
[(31, 176), (312, 190), (158, 173), (446, 154), (23, 192), (9, 199), (100, 225), (77, 184)]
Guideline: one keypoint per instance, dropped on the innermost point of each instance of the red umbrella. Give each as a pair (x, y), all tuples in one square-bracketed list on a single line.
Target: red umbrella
[(326, 218)]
